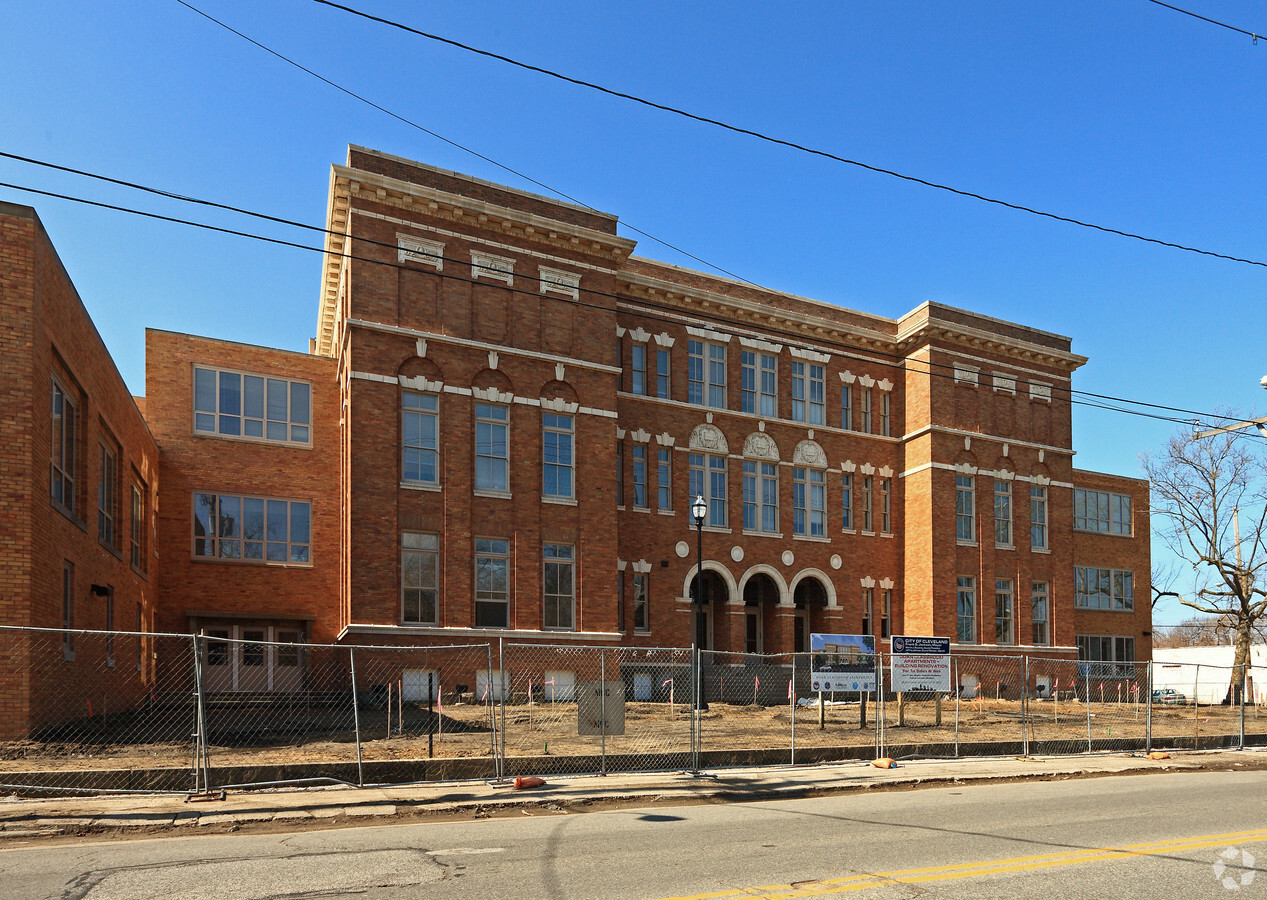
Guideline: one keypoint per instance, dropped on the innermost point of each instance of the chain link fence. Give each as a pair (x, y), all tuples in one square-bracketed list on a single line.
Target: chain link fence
[(119, 711)]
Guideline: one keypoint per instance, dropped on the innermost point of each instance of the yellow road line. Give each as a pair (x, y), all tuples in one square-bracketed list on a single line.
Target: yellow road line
[(854, 883)]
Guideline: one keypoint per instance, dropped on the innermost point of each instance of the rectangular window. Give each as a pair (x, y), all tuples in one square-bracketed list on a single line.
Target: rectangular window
[(760, 497), (1040, 612), (758, 383), (886, 616), (137, 533), (966, 587), (62, 464), (419, 578), (808, 389), (641, 610), (560, 591), (640, 498), (846, 407), (664, 479), (695, 372), (108, 498), (717, 376), (639, 374), (68, 610), (1111, 589), (866, 410), (809, 514), (868, 602), (1101, 511), (238, 404), (886, 414), (886, 505), (1038, 518), (846, 501), (252, 529), (965, 509), (1106, 656), (864, 503), (817, 394), (1004, 612), (747, 381), (662, 373), (1002, 513), (556, 456), (708, 480), (492, 451), (492, 583), (419, 438)]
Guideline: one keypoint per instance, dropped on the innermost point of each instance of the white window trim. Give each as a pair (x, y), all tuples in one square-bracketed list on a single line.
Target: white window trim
[(245, 438)]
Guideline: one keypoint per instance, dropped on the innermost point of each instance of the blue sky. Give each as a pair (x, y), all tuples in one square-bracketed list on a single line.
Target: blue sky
[(1124, 114)]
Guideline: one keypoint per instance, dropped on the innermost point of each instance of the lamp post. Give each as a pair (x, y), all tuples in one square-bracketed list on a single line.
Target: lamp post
[(699, 509)]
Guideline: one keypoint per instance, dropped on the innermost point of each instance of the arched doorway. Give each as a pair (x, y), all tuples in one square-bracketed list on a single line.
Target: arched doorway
[(716, 592), (810, 599), (760, 596)]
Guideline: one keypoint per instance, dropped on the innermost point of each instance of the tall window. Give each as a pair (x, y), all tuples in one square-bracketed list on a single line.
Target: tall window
[(846, 407), (639, 380), (640, 498), (708, 480), (556, 456), (1002, 513), (1004, 612), (137, 534), (1040, 612), (492, 460), (809, 502), (419, 435), (966, 587), (965, 509), (886, 616), (886, 505), (492, 584), (641, 611), (560, 589), (706, 374), (868, 603), (866, 410), (1115, 655), (419, 578), (664, 479), (108, 498), (864, 504), (68, 609), (846, 500), (662, 373), (886, 414), (760, 496), (757, 383), (62, 465), (1101, 511), (1038, 518), (808, 389), (1112, 589), (236, 404), (252, 529)]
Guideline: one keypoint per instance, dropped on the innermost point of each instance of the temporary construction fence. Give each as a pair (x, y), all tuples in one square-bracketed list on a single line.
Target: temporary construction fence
[(121, 711)]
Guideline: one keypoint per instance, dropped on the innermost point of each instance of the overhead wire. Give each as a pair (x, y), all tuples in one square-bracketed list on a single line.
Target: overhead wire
[(453, 143), (789, 338), (1249, 34), (794, 145)]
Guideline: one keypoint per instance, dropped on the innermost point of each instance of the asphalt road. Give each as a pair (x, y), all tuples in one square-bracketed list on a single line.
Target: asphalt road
[(1153, 836)]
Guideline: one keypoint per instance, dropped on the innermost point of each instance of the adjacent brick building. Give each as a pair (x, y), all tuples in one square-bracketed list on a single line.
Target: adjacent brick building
[(500, 427)]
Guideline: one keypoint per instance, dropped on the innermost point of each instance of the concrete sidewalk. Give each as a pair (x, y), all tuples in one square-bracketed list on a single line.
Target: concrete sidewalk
[(27, 818)]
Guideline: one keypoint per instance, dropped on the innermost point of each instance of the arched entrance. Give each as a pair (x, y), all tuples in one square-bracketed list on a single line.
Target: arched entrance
[(716, 592), (810, 599), (760, 597)]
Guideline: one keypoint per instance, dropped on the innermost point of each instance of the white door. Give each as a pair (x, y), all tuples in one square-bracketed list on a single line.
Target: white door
[(642, 686), (414, 684)]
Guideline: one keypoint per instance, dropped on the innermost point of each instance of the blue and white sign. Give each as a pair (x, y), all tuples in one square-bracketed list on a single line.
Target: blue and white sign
[(919, 664), (904, 644), (842, 662)]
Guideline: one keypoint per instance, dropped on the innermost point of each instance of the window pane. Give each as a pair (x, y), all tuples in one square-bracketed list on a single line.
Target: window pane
[(253, 396), (299, 399), (204, 391)]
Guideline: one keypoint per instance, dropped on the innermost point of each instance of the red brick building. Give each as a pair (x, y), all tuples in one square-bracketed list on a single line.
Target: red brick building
[(501, 425)]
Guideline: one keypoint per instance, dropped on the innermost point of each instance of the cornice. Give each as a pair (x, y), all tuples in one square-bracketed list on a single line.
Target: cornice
[(936, 334)]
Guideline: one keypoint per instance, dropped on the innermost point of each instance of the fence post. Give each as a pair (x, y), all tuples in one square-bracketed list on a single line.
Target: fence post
[(602, 713), (1025, 706), (1244, 681), (492, 719), (1196, 720), (957, 692), (1087, 681), (200, 726), (356, 717), (791, 696), (431, 721), (695, 710), (501, 687), (1148, 715)]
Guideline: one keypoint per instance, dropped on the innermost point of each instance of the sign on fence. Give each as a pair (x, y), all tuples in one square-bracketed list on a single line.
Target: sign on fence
[(600, 707), (842, 662), (920, 664)]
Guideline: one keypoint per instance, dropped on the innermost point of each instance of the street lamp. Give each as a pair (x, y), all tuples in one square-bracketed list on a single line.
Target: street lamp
[(699, 509)]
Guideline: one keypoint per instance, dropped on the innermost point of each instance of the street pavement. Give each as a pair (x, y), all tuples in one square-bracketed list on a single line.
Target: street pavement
[(24, 819)]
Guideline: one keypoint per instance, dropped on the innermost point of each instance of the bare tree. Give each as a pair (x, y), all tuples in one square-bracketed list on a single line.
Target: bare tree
[(1203, 631), (1201, 489)]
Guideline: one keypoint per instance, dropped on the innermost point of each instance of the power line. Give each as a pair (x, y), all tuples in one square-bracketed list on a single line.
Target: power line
[(1249, 34), (737, 129), (452, 143)]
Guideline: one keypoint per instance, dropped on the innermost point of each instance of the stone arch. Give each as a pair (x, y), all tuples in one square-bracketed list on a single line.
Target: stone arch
[(490, 380), (785, 595), (809, 453), (559, 390), (420, 367), (829, 587), (709, 438), (711, 565), (760, 445)]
